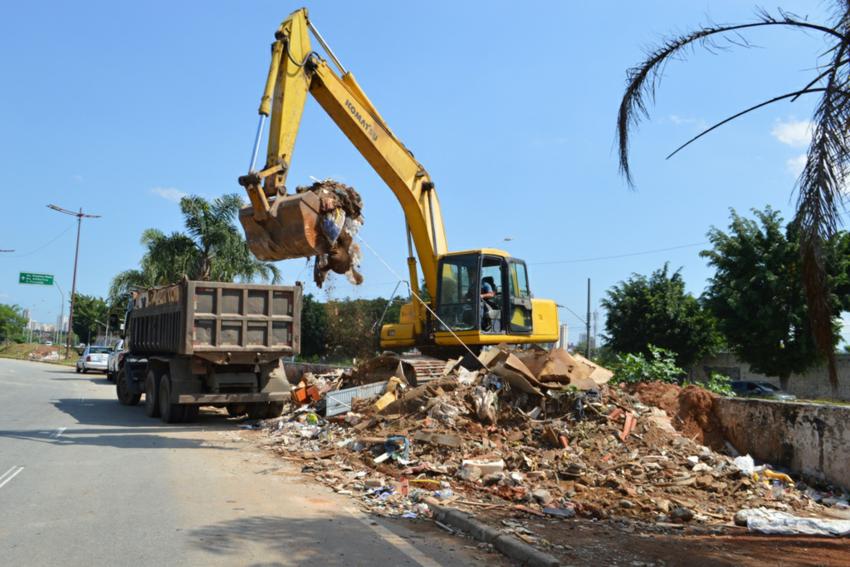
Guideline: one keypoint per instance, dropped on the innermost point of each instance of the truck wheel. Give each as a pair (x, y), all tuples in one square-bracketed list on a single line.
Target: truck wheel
[(78, 370), (168, 412), (191, 412), (110, 376), (257, 410), (236, 410), (125, 398), (275, 409), (151, 394)]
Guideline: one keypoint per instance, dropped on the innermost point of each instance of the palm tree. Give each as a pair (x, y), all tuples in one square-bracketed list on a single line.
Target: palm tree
[(822, 180), (213, 249)]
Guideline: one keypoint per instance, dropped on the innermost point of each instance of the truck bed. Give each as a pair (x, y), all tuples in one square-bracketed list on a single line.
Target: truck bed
[(218, 321)]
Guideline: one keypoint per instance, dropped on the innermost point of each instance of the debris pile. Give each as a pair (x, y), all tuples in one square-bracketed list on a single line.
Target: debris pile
[(528, 432), (341, 216), (691, 410)]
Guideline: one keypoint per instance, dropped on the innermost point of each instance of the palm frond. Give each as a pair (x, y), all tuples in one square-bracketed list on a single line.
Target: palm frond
[(717, 125), (643, 80)]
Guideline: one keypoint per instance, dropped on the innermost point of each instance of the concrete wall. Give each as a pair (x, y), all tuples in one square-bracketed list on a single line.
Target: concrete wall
[(810, 439), (812, 385)]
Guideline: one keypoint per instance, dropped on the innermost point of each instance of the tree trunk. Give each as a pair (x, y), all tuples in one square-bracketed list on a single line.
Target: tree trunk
[(833, 375)]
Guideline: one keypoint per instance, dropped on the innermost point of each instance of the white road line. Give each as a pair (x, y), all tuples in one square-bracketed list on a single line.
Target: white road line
[(58, 433), (9, 475), (395, 540), (2, 476)]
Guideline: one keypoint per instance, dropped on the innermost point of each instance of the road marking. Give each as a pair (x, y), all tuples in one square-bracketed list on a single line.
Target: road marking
[(395, 540), (58, 433), (9, 475)]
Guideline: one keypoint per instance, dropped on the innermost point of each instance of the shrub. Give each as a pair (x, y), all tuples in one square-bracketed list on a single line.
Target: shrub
[(660, 366), (717, 383)]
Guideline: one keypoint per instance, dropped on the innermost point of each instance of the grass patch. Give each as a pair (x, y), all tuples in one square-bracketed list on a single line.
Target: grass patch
[(37, 353)]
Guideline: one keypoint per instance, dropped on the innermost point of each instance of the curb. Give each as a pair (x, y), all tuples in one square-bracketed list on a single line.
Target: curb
[(508, 545)]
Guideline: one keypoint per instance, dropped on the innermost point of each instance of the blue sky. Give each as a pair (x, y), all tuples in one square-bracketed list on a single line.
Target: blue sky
[(122, 107)]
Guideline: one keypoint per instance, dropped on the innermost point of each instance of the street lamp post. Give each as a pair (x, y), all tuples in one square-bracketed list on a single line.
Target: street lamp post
[(80, 215)]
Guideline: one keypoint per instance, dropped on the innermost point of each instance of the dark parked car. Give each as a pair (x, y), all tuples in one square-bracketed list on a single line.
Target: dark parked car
[(749, 389)]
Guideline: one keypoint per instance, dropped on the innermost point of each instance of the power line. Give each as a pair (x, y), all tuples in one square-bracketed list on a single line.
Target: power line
[(43, 246), (627, 255)]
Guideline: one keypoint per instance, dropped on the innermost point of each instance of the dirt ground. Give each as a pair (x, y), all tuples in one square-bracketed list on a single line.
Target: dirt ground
[(587, 542)]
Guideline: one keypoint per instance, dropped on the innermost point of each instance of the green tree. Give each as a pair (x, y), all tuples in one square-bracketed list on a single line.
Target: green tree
[(822, 183), (656, 310), (757, 294), (352, 329), (12, 323), (91, 314), (314, 328), (212, 248)]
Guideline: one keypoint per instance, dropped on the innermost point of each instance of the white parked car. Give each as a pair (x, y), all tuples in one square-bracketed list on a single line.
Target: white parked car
[(93, 358), (113, 363)]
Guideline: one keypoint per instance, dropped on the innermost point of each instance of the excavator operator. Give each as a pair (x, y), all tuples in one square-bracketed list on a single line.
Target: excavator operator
[(488, 294)]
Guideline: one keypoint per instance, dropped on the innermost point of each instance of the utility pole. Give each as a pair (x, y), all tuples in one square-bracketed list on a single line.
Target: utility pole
[(61, 314), (595, 329), (80, 215), (587, 322)]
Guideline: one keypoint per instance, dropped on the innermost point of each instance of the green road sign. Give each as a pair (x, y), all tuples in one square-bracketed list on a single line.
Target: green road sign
[(35, 279)]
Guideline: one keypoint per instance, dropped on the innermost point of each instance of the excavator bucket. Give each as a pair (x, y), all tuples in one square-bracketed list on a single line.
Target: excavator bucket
[(290, 229)]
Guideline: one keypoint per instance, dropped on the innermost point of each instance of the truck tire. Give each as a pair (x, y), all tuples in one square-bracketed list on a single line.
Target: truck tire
[(236, 410), (110, 376), (275, 409), (168, 412), (191, 412), (125, 398), (151, 394), (257, 410)]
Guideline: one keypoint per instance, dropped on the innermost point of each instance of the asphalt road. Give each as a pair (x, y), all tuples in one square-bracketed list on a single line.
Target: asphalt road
[(85, 481)]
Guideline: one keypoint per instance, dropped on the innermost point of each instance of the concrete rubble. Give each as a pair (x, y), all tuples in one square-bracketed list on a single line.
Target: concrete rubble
[(529, 435)]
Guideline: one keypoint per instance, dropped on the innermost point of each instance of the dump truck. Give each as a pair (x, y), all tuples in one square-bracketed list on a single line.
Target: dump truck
[(201, 343)]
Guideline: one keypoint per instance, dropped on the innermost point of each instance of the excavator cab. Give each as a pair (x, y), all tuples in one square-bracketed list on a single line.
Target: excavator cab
[(482, 298), (484, 292)]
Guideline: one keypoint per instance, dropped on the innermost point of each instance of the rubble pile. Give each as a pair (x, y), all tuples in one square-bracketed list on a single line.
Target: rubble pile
[(532, 432), (341, 216), (691, 410)]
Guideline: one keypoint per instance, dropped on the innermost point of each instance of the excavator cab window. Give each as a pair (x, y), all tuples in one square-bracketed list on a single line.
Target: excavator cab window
[(458, 292), (520, 298), (472, 293)]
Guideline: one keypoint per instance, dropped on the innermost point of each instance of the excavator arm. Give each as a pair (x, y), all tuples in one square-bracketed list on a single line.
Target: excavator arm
[(280, 225), (295, 71)]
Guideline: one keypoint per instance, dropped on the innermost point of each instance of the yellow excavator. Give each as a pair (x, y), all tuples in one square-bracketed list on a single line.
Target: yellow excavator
[(477, 297)]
